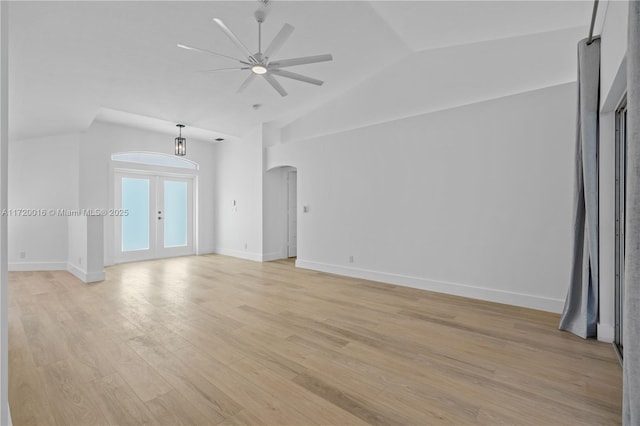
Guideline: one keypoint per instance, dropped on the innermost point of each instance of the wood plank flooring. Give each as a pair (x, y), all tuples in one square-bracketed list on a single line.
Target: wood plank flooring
[(213, 340)]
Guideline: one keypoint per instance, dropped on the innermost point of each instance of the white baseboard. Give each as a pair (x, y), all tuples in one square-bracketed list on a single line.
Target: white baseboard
[(84, 276), (267, 257), (37, 266), (464, 290), (205, 250), (256, 257), (606, 333), (87, 277), (79, 273)]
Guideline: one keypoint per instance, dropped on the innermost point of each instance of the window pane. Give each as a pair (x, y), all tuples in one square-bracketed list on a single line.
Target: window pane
[(135, 226), (175, 214)]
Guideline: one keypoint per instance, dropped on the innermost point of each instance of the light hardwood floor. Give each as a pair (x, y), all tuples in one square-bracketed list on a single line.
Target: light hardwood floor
[(216, 340)]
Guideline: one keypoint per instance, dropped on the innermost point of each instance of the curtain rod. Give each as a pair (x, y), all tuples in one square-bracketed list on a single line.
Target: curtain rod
[(593, 21)]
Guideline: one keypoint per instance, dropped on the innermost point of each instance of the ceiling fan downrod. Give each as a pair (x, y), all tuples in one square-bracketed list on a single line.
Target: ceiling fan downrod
[(260, 15)]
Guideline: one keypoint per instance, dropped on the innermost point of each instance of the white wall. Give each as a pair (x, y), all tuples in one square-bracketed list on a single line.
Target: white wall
[(238, 166), (613, 86), (43, 174), (77, 245), (433, 80), (474, 201), (85, 253), (450, 170), (103, 139)]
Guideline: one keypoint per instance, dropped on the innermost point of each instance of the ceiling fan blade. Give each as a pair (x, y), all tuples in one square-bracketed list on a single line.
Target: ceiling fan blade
[(235, 40), (300, 61), (274, 83), (246, 83), (279, 40), (225, 69), (196, 49), (295, 76)]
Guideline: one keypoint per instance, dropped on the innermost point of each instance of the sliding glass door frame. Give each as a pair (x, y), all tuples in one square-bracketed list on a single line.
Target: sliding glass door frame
[(620, 209), (158, 177)]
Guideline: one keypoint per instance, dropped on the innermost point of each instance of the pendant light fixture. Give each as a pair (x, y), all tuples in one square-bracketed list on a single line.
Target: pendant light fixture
[(181, 143)]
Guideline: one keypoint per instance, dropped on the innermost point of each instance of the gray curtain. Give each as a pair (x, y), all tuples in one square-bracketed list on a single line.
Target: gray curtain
[(580, 314), (631, 307)]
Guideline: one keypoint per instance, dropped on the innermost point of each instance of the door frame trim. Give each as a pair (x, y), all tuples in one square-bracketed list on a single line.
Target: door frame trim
[(289, 172), (619, 224)]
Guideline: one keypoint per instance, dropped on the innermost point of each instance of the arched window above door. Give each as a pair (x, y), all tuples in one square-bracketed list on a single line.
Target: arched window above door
[(154, 159)]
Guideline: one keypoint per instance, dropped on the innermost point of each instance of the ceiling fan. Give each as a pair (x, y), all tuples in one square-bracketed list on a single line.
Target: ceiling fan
[(260, 63)]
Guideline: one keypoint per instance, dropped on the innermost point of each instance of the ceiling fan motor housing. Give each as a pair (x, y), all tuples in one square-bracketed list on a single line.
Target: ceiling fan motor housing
[(260, 15)]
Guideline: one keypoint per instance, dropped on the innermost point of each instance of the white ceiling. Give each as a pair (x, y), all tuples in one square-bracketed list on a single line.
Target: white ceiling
[(71, 62)]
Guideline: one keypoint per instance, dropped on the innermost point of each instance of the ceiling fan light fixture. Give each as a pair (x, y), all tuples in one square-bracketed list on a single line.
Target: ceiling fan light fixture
[(259, 69)]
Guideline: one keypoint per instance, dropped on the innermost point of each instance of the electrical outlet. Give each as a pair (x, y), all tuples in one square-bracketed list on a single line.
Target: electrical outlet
[(246, 245), (350, 259), (23, 255), (80, 260)]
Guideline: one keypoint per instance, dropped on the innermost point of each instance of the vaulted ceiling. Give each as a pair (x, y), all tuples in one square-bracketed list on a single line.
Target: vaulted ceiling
[(73, 62)]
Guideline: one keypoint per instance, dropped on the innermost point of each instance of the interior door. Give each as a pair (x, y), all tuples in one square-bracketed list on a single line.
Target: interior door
[(159, 216), (292, 218)]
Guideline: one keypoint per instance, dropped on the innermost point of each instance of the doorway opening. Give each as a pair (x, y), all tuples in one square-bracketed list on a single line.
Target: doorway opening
[(280, 214)]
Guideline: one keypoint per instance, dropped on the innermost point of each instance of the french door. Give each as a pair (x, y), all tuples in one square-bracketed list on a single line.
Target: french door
[(157, 216)]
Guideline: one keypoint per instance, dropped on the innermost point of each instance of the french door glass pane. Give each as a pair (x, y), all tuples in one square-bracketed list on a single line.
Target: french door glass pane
[(135, 226), (175, 214)]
